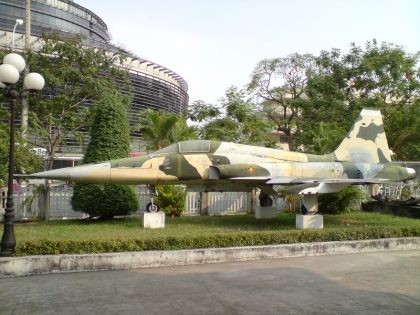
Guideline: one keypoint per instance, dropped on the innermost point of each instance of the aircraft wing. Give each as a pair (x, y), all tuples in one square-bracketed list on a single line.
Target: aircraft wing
[(350, 181), (263, 179), (309, 186), (300, 180)]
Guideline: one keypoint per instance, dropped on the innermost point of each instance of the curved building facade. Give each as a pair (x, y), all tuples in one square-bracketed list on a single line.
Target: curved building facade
[(154, 86)]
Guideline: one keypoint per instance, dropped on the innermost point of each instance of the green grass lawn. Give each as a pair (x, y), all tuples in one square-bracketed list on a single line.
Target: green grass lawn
[(76, 236), (194, 226)]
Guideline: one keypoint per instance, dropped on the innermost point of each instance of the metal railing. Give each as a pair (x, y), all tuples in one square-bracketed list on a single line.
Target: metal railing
[(27, 202)]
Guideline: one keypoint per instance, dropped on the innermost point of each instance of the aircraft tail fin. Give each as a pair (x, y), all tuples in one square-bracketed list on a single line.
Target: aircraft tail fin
[(366, 141)]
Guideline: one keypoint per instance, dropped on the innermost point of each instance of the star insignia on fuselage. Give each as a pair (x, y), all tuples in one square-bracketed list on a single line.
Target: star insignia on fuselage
[(251, 169)]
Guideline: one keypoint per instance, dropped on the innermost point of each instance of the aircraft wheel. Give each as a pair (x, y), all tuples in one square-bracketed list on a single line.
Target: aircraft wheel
[(152, 207), (266, 201), (303, 209)]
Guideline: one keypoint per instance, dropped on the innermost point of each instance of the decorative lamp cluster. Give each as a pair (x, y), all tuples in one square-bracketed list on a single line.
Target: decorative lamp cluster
[(12, 65)]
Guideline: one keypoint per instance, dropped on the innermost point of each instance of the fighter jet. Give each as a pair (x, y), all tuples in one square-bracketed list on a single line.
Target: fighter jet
[(363, 157)]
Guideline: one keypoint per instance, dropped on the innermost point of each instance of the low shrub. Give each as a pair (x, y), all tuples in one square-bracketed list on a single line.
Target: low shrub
[(249, 238), (346, 200), (172, 199), (104, 200)]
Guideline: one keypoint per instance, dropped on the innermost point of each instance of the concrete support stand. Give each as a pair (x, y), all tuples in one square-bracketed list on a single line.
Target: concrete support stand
[(309, 221), (154, 220), (264, 212)]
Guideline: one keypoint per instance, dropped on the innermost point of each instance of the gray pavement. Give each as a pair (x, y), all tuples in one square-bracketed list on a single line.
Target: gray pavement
[(369, 283)]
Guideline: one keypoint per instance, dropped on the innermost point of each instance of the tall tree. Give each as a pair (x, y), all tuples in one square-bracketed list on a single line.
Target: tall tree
[(200, 111), (242, 122), (75, 77), (381, 76), (280, 83), (403, 131), (110, 139)]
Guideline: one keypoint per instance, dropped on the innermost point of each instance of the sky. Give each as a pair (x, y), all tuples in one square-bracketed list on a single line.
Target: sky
[(214, 44)]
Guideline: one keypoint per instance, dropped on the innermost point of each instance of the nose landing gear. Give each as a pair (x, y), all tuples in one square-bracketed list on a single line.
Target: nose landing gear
[(151, 206)]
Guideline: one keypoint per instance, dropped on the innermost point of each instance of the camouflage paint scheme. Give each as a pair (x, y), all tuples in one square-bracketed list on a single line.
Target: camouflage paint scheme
[(363, 157)]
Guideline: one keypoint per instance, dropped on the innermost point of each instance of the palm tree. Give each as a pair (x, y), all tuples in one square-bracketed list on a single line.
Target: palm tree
[(160, 129)]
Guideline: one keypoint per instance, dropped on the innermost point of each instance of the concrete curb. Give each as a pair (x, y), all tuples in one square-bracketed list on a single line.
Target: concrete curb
[(35, 265)]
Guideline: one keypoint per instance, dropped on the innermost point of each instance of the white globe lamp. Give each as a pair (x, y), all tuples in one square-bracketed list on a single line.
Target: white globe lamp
[(15, 60), (8, 74), (34, 81)]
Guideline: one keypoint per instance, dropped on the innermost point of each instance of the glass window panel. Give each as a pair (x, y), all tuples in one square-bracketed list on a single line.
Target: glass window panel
[(194, 146)]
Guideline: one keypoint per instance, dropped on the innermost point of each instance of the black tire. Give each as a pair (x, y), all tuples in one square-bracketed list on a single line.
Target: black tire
[(152, 207), (266, 201), (303, 209)]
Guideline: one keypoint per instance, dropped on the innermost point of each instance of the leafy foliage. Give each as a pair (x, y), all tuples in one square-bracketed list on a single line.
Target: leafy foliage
[(281, 83), (161, 129), (201, 111), (379, 76), (346, 200), (75, 76), (403, 131), (25, 160), (314, 100), (104, 201), (110, 132), (241, 124), (222, 129), (324, 137), (109, 140), (172, 199)]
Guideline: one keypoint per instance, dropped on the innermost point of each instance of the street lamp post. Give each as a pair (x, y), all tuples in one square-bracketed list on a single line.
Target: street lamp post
[(10, 70), (18, 22)]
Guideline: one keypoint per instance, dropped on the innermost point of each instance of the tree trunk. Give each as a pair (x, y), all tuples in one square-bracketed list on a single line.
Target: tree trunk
[(290, 142), (251, 201), (204, 203)]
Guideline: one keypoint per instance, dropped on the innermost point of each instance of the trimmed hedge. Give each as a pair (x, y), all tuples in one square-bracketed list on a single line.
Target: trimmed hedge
[(50, 247), (109, 139)]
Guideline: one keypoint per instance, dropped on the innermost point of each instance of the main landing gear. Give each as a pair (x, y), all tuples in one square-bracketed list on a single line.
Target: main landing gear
[(151, 206), (265, 200), (309, 204)]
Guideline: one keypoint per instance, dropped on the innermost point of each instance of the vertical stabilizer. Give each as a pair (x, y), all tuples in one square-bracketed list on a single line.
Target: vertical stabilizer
[(366, 141)]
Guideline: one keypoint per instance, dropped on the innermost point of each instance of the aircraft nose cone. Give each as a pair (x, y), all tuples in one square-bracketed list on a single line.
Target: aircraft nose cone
[(60, 174), (90, 173)]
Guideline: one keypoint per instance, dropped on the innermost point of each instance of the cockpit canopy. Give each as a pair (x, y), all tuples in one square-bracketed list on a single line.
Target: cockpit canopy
[(189, 146)]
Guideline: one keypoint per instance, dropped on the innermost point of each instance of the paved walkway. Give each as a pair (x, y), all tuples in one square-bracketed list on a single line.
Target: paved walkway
[(372, 283)]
